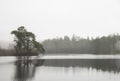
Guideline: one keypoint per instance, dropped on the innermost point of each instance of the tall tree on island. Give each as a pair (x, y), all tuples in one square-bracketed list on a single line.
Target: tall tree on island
[(26, 42)]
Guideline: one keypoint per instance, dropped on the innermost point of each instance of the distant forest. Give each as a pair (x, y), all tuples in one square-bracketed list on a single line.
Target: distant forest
[(99, 45)]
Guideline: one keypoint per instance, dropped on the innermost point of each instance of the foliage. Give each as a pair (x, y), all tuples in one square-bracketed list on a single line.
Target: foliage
[(100, 45), (25, 41)]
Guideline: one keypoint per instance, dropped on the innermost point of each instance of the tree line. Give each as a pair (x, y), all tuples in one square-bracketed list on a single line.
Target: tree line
[(99, 45)]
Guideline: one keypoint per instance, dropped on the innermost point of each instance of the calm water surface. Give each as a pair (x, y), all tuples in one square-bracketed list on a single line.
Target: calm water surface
[(65, 69)]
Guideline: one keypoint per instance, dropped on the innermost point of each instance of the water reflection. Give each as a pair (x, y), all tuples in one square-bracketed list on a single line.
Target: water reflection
[(98, 64), (25, 69)]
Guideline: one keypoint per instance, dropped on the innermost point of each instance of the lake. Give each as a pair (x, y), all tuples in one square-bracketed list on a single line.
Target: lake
[(61, 68)]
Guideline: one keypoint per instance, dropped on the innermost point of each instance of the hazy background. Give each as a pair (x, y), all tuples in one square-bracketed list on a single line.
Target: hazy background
[(56, 18)]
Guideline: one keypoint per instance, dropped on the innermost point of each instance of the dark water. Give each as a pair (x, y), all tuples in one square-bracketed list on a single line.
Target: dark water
[(61, 70)]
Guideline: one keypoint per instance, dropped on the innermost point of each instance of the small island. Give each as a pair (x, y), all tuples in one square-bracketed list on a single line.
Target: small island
[(25, 44)]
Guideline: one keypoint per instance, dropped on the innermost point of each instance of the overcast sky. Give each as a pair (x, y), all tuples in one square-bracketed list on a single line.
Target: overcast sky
[(56, 18)]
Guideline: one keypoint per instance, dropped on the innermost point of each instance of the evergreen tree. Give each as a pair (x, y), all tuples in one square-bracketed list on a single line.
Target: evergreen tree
[(25, 41)]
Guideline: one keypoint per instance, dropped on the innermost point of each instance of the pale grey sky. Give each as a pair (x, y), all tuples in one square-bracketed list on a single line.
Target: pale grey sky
[(56, 18)]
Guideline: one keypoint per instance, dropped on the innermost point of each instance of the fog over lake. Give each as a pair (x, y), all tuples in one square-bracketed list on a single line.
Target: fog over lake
[(59, 40)]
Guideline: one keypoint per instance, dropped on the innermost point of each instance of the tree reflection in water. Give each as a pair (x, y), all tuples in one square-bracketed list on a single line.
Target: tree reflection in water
[(25, 69), (109, 65)]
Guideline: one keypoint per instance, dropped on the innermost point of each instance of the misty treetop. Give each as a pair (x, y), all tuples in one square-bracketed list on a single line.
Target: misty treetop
[(100, 45), (25, 42)]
